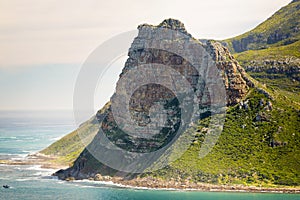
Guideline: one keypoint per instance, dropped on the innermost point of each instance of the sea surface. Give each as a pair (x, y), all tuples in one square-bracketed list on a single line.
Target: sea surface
[(24, 132)]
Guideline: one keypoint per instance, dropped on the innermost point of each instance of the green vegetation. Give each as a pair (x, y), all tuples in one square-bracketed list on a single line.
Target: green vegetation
[(68, 148), (252, 150), (280, 29), (286, 78), (271, 53), (280, 82), (249, 151)]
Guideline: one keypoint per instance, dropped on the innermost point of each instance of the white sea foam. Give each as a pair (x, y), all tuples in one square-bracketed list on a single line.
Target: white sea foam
[(12, 156), (39, 168), (56, 138), (43, 174), (12, 137), (118, 185), (25, 179)]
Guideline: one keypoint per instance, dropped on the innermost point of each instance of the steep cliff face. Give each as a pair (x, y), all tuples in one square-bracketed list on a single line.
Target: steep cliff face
[(235, 78), (233, 75)]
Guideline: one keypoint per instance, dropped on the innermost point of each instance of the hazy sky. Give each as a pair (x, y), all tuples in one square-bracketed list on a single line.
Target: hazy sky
[(44, 43)]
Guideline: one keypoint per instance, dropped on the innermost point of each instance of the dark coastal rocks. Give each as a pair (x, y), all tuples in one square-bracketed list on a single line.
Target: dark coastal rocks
[(150, 182)]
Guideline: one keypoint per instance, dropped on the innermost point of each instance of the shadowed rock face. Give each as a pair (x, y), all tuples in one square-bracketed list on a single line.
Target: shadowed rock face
[(235, 79), (233, 75)]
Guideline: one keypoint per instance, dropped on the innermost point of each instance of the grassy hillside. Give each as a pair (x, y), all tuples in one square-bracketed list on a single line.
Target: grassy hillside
[(68, 148), (277, 67), (259, 146), (272, 53), (280, 29), (250, 151)]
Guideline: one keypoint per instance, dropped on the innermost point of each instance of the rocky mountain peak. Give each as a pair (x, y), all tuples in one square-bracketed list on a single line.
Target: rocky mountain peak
[(156, 99), (173, 24), (234, 77)]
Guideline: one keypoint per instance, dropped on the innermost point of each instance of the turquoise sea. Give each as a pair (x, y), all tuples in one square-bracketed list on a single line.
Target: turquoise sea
[(26, 132)]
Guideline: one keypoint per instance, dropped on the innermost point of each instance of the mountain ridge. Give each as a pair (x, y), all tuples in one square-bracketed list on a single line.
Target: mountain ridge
[(261, 129), (275, 64), (282, 28)]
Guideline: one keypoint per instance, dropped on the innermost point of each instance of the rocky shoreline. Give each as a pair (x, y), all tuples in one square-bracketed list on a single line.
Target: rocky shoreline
[(159, 184), (149, 182), (35, 159)]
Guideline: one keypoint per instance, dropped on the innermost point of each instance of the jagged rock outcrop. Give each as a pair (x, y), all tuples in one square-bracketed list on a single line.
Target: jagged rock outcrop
[(235, 78), (288, 67), (233, 75)]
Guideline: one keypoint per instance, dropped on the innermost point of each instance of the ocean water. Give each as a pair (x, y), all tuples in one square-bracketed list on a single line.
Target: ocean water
[(22, 133)]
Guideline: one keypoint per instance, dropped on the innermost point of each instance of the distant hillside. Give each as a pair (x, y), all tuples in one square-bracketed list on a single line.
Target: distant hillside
[(270, 53), (280, 29), (277, 67), (286, 53)]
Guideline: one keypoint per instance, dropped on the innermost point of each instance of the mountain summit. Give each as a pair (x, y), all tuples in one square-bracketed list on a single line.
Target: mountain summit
[(172, 24)]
